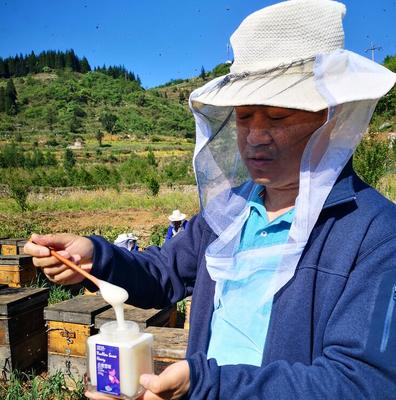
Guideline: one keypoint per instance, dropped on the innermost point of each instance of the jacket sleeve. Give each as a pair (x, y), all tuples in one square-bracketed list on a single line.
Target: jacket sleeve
[(358, 359), (156, 277)]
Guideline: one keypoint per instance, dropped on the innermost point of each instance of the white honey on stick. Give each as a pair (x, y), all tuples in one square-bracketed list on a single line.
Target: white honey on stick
[(116, 297)]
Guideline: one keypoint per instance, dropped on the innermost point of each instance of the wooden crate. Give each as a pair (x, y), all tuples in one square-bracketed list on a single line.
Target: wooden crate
[(170, 346), (12, 247), (69, 324), (144, 318), (23, 339), (17, 270)]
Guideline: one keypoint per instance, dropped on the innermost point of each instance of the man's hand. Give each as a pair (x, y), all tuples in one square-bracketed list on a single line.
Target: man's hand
[(76, 248), (171, 384)]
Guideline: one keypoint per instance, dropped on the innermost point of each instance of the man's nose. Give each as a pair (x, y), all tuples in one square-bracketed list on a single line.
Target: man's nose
[(257, 137)]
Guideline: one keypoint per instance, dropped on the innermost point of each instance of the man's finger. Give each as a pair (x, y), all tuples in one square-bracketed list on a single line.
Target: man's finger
[(152, 382), (49, 261), (97, 396), (36, 250), (55, 241)]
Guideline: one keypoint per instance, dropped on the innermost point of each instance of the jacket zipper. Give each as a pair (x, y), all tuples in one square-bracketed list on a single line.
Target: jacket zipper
[(388, 320)]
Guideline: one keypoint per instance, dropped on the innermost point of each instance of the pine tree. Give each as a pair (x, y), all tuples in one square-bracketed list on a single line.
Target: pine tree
[(69, 160), (4, 69), (84, 66), (10, 98), (2, 99), (203, 73)]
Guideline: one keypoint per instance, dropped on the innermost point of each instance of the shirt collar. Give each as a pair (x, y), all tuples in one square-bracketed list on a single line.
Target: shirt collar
[(343, 190), (256, 200)]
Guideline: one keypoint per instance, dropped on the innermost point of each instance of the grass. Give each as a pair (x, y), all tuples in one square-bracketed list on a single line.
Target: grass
[(387, 186), (21, 386), (105, 199)]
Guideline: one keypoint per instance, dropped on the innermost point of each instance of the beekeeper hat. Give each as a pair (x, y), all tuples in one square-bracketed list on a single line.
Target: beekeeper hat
[(274, 50)]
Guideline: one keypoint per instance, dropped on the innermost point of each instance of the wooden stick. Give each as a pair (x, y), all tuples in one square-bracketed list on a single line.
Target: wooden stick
[(75, 268)]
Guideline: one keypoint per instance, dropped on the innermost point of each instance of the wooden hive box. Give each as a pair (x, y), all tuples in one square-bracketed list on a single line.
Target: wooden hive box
[(17, 270), (69, 324), (170, 346), (23, 338), (144, 318), (12, 247)]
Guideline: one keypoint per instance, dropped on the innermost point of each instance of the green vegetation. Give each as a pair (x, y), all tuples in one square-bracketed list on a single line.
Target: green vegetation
[(23, 386)]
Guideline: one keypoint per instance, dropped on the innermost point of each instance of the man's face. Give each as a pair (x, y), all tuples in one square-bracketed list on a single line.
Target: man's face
[(177, 224), (271, 141)]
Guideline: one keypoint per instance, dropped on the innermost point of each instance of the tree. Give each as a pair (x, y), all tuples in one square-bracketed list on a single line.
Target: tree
[(10, 98), (108, 121), (151, 158), (203, 73), (52, 117), (19, 189), (2, 99), (69, 160), (99, 137), (153, 185)]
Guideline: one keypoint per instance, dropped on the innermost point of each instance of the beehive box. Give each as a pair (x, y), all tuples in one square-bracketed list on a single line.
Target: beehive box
[(170, 346), (17, 270), (144, 318), (69, 324), (12, 247), (23, 338)]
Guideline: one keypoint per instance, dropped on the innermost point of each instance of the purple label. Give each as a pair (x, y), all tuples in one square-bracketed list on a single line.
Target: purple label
[(107, 369)]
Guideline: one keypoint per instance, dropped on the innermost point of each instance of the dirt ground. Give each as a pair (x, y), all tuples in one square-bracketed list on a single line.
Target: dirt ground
[(141, 222)]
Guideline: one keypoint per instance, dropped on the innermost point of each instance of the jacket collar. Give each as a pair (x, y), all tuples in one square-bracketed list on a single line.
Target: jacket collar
[(343, 190)]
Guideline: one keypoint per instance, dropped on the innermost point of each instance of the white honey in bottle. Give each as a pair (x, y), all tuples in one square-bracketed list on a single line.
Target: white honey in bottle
[(117, 356)]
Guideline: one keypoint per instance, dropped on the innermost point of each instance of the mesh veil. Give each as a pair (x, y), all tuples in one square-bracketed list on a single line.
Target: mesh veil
[(351, 86)]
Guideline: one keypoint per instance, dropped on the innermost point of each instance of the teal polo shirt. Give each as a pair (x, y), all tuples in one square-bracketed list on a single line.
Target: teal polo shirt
[(239, 324)]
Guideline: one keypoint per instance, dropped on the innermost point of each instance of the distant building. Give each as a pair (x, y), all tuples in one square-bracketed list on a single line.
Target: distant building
[(78, 144)]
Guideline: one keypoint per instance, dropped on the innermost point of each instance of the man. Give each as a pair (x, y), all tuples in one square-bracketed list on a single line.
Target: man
[(127, 241), (178, 223), (292, 258)]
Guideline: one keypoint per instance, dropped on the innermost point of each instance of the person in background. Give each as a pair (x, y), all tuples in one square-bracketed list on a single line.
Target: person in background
[(178, 224), (127, 241), (291, 260)]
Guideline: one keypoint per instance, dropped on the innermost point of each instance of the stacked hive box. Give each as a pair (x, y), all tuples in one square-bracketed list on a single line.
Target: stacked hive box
[(12, 247), (23, 339), (69, 325), (16, 269)]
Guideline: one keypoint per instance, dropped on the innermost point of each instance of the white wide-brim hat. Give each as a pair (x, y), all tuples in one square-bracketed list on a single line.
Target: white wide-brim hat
[(276, 53), (177, 216), (125, 236)]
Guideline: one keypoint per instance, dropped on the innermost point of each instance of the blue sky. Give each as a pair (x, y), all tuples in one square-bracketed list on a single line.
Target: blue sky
[(163, 39)]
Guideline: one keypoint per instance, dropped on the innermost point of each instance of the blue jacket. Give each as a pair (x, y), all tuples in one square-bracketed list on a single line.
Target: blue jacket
[(332, 333)]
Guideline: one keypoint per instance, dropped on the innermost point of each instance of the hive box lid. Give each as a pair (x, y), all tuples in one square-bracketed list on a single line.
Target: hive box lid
[(16, 300), (17, 242), (21, 260), (79, 310), (169, 342), (141, 316)]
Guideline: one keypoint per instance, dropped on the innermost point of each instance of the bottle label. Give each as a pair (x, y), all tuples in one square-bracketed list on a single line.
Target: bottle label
[(108, 369)]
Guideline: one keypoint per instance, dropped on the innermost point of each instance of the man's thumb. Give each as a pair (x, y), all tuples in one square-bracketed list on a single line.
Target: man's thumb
[(151, 382)]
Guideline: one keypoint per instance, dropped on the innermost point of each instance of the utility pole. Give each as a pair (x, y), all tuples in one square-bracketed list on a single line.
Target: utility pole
[(372, 49)]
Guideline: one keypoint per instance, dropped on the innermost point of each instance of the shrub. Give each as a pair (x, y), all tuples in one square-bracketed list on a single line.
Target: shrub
[(372, 159), (19, 187), (153, 185)]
